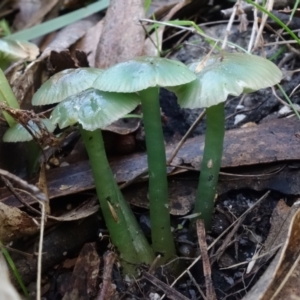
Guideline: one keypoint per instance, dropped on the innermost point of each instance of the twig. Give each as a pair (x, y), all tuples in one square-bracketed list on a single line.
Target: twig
[(39, 262), (269, 6), (10, 187), (169, 291), (254, 28), (230, 22), (210, 291), (193, 30), (227, 240), (109, 258), (218, 238), (191, 129), (36, 192), (196, 285)]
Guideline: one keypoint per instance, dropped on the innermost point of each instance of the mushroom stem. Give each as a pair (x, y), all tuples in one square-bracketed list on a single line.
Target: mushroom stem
[(211, 162), (124, 230), (162, 239)]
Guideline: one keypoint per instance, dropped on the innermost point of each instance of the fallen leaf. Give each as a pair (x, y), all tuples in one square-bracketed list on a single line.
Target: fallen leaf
[(84, 278), (15, 224), (283, 265), (122, 36)]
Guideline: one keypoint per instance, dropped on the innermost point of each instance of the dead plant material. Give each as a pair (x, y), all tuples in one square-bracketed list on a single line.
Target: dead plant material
[(107, 289), (169, 291), (210, 291)]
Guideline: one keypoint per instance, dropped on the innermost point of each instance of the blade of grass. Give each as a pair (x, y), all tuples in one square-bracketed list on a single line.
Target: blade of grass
[(277, 20), (7, 96), (14, 269), (289, 101), (57, 23), (294, 9)]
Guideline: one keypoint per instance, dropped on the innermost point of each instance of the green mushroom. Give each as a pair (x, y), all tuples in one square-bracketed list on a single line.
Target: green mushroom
[(217, 77), (94, 109), (64, 84), (18, 133), (145, 75)]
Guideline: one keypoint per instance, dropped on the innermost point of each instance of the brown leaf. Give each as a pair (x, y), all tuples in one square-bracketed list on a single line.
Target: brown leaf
[(89, 42), (281, 268), (69, 35), (15, 224), (273, 141), (33, 12), (122, 37), (85, 274)]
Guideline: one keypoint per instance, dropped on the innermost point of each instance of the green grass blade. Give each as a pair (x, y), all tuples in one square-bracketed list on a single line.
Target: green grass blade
[(289, 101), (7, 96), (294, 9), (60, 22), (14, 269), (277, 20)]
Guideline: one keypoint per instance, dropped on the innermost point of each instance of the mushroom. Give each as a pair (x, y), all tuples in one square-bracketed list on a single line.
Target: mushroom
[(94, 109), (217, 77), (145, 75), (18, 133), (64, 84)]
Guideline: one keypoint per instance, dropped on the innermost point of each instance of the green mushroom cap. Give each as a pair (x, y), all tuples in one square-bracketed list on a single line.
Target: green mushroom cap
[(64, 84), (141, 73), (93, 109), (226, 74), (18, 133)]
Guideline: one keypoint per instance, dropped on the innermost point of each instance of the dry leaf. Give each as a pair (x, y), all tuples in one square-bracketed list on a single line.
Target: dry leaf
[(122, 37), (15, 224), (286, 260), (89, 42)]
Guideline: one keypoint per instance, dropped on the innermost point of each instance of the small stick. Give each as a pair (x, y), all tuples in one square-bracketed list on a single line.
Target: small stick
[(10, 187), (109, 258), (269, 7), (30, 188), (230, 22), (227, 240), (197, 285), (169, 291), (182, 141), (254, 28), (210, 291), (218, 238), (39, 262)]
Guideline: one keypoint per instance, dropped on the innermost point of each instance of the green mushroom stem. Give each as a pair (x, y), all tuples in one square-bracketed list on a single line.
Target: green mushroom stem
[(211, 163), (162, 239), (120, 221)]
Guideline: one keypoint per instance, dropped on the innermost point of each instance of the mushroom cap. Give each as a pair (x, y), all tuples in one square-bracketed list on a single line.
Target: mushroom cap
[(143, 72), (93, 109), (12, 50), (64, 84), (226, 74), (18, 133)]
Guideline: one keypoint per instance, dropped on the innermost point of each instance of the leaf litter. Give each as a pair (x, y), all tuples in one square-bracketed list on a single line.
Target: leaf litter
[(253, 161)]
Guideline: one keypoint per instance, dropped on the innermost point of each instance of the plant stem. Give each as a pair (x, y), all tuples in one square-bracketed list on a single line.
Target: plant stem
[(120, 221), (211, 162), (162, 239), (7, 96)]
